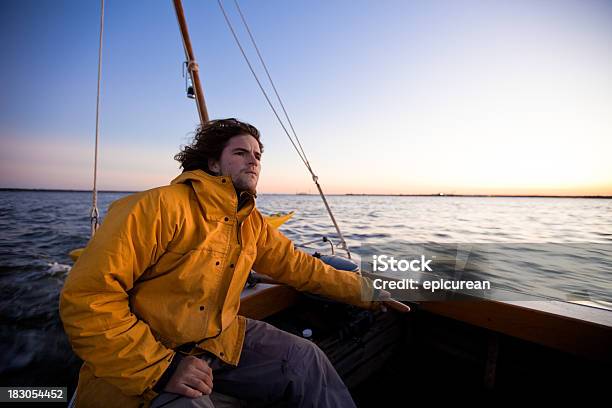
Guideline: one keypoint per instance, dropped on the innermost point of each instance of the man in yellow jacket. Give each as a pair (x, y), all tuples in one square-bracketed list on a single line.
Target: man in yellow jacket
[(151, 306)]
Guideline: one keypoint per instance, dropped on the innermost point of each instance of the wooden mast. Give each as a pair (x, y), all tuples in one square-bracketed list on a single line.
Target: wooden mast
[(192, 65)]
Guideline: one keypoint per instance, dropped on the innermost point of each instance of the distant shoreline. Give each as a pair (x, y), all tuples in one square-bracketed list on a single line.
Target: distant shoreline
[(346, 194)]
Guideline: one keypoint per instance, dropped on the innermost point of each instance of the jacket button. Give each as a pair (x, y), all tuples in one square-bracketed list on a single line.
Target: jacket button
[(223, 180), (221, 354), (217, 263), (226, 219), (201, 307), (231, 265)]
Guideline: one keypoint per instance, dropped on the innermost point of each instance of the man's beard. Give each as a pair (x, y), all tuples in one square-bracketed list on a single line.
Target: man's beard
[(243, 186)]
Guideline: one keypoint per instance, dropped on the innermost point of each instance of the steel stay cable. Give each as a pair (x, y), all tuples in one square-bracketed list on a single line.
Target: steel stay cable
[(302, 155), (265, 67), (259, 82)]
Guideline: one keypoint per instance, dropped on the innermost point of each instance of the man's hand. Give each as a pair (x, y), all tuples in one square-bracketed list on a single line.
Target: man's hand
[(192, 378), (388, 301), (383, 295)]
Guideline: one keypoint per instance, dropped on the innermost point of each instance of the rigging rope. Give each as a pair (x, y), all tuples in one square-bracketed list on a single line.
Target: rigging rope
[(94, 214), (300, 150)]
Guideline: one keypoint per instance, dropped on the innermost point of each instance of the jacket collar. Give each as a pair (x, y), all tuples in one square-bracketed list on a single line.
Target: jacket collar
[(216, 194)]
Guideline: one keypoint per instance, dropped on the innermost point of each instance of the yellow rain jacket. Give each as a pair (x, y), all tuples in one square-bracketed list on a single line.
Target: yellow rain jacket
[(166, 268)]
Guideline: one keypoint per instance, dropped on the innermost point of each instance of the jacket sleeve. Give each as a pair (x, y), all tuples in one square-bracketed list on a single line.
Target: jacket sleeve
[(278, 258), (94, 303)]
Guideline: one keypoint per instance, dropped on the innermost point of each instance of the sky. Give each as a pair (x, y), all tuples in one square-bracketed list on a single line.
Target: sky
[(387, 97)]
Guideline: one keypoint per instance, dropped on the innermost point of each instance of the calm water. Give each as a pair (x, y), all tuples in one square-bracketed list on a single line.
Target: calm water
[(38, 229)]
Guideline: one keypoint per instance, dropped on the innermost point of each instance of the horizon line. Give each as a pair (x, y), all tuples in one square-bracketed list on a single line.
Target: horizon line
[(56, 190)]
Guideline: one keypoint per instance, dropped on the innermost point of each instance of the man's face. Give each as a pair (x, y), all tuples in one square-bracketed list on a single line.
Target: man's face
[(240, 160)]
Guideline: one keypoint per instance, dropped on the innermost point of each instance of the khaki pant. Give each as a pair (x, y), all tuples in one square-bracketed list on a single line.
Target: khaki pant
[(275, 368)]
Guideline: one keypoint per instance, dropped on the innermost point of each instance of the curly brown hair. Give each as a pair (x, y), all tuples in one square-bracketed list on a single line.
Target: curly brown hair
[(210, 140)]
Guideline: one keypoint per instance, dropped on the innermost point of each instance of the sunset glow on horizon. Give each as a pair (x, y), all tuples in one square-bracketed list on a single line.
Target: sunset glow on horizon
[(452, 97)]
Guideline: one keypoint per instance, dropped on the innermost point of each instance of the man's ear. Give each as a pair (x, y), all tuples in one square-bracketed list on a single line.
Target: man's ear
[(214, 166)]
